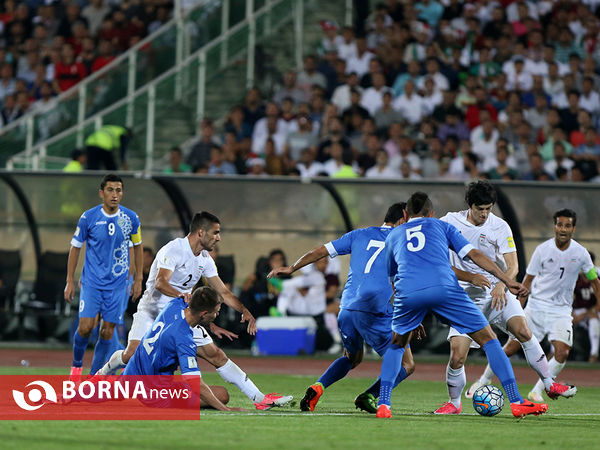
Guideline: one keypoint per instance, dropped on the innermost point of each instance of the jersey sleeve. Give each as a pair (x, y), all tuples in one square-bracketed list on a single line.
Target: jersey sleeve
[(168, 259), (535, 264), (210, 269), (186, 355), (457, 241), (392, 266), (81, 232), (506, 243), (341, 246), (587, 266), (136, 232)]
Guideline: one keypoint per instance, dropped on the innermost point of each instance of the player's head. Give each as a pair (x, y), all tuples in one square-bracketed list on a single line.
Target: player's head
[(205, 305), (564, 225), (481, 197), (111, 192), (419, 205), (207, 227), (395, 214)]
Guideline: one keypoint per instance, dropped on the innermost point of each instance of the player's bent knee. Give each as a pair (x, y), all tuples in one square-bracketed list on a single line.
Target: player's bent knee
[(355, 359), (221, 393), (409, 366)]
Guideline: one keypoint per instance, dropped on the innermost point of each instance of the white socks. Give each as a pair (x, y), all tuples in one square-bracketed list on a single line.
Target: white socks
[(456, 381), (555, 368), (537, 361), (487, 375), (114, 363), (231, 373), (594, 333)]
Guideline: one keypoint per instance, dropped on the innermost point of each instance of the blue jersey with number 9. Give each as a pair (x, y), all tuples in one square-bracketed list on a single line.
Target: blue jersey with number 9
[(418, 257), (368, 287)]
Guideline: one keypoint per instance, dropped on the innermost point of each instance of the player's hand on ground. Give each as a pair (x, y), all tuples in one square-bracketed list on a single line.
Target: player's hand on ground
[(69, 291), (222, 332), (236, 409), (498, 296), (136, 290), (280, 271), (248, 317), (518, 289), (420, 332), (481, 280)]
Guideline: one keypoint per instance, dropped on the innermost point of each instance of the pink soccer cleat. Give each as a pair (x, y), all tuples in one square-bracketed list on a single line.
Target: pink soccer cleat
[(75, 375), (561, 390), (448, 408), (273, 399), (384, 412)]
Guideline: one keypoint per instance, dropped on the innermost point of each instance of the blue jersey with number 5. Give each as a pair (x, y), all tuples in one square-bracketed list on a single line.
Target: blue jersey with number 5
[(368, 287), (167, 345), (418, 256)]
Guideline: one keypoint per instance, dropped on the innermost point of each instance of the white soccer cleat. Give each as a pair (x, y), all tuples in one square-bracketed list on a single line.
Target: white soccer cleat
[(474, 387), (535, 396), (283, 400)]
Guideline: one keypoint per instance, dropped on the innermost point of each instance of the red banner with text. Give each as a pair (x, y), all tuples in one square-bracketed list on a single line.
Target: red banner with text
[(56, 397)]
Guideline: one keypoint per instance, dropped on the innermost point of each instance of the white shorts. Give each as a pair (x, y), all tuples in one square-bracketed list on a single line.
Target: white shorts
[(499, 318), (558, 327), (145, 317)]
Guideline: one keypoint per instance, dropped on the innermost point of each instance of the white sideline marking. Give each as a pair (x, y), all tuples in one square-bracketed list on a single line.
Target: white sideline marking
[(301, 414)]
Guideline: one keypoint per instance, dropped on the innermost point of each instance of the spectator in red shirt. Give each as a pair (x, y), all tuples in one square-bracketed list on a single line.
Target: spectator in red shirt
[(105, 55), (68, 72), (481, 103)]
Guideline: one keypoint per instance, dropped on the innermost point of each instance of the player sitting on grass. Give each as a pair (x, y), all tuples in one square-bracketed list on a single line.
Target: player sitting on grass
[(170, 344)]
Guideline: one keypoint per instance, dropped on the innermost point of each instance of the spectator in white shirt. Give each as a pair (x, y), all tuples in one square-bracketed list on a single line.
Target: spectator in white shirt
[(372, 98), (409, 104), (381, 169), (308, 166), (406, 171), (290, 89), (483, 143), (433, 71), (359, 63), (309, 77), (405, 153), (589, 100), (341, 95), (432, 97), (560, 160), (347, 47), (270, 126), (519, 79)]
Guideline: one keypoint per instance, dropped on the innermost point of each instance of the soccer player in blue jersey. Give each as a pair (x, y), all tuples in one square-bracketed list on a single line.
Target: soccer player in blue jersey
[(417, 254), (107, 229), (365, 309), (169, 344)]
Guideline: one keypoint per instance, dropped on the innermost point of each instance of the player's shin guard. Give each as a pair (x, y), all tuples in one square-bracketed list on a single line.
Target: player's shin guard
[(501, 366), (390, 367), (100, 354), (555, 368), (335, 372), (114, 363), (456, 381), (231, 373), (79, 345), (537, 361), (375, 387)]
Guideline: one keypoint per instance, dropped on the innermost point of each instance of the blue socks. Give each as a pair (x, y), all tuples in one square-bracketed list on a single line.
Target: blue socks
[(79, 346), (501, 366), (390, 368), (335, 372), (100, 354), (375, 387)]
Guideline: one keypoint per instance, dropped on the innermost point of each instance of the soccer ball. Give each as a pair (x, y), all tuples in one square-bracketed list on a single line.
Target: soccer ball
[(488, 400)]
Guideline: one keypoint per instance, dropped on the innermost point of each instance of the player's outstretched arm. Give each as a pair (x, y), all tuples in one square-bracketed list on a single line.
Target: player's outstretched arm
[(479, 258), (71, 265), (222, 332), (308, 258), (231, 300), (476, 279), (207, 395), (138, 258)]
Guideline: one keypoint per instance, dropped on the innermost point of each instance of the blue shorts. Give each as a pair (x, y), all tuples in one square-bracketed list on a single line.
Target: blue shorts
[(450, 304), (358, 327), (107, 302)]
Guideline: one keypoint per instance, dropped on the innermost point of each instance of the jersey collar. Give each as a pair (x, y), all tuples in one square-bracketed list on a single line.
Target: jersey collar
[(110, 215)]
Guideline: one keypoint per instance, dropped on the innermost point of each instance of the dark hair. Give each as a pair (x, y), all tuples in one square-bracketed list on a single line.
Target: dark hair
[(278, 251), (419, 204), (480, 193), (565, 213), (108, 178), (148, 250), (395, 212), (203, 220), (204, 298)]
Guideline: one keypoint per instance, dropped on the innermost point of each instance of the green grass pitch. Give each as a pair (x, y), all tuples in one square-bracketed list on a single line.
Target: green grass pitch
[(570, 424)]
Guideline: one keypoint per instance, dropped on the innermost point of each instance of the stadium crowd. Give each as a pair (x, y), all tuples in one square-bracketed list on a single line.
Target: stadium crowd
[(448, 90), (48, 46)]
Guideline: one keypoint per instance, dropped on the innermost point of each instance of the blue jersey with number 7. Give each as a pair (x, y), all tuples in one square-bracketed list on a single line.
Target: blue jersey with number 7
[(368, 287), (418, 257)]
